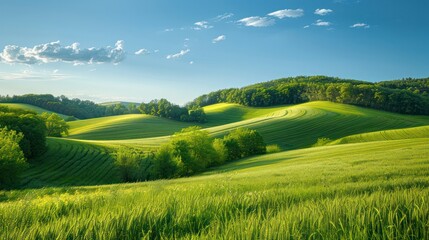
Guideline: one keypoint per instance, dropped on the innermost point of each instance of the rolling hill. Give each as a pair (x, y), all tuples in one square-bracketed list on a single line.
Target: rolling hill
[(292, 127), (31, 108)]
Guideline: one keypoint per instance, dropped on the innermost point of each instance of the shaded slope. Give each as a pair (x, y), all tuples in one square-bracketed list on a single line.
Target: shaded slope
[(69, 162)]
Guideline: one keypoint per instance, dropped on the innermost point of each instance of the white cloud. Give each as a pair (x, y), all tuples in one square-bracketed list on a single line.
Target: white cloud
[(223, 17), (55, 52), (306, 26), (322, 23), (290, 13), (323, 11), (257, 21), (202, 25), (142, 51), (360, 25), (168, 29), (191, 62), (179, 54), (219, 39)]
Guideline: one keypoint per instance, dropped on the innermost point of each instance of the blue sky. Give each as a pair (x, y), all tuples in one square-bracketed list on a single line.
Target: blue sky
[(142, 50)]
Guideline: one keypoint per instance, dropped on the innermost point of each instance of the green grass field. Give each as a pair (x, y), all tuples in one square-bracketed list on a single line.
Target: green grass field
[(375, 190), (370, 182), (30, 108)]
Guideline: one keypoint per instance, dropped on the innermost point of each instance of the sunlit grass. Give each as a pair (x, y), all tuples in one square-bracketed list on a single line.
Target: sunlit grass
[(375, 190)]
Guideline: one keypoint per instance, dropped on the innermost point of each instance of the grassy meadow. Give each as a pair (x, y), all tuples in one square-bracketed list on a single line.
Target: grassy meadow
[(370, 182), (376, 190)]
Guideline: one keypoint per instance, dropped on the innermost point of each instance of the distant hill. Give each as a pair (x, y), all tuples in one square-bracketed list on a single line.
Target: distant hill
[(126, 104), (409, 96), (32, 108)]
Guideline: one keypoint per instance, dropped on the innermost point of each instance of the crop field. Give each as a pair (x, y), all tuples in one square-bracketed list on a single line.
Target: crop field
[(291, 127), (69, 162), (375, 190)]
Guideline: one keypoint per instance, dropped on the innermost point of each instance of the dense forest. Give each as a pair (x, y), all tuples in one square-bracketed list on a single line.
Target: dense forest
[(408, 96)]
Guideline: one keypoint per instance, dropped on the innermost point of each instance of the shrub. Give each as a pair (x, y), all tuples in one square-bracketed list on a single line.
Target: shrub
[(165, 164), (273, 148), (322, 142), (249, 141), (133, 165), (221, 152)]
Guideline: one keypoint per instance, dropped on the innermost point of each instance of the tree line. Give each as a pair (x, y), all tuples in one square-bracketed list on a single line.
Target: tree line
[(188, 152), (402, 96), (84, 109)]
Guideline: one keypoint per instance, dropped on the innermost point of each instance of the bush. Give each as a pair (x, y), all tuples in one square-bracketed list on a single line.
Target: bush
[(12, 160), (165, 164), (273, 148), (322, 142), (133, 166), (249, 141), (194, 148), (221, 152)]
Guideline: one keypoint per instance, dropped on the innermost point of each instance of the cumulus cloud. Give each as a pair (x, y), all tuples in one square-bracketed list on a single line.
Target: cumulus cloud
[(142, 51), (306, 26), (179, 54), (322, 11), (202, 25), (322, 23), (290, 13), (222, 17), (257, 21), (55, 52), (360, 25), (219, 39)]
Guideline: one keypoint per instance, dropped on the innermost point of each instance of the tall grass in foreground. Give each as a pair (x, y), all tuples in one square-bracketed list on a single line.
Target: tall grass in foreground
[(321, 193)]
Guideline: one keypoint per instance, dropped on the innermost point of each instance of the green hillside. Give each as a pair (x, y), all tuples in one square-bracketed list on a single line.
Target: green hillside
[(124, 127), (375, 190), (291, 127), (30, 108), (69, 162), (74, 162), (405, 133)]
